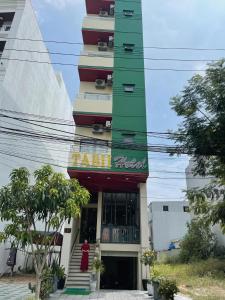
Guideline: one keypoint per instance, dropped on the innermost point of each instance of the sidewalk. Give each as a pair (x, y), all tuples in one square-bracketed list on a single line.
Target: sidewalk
[(13, 291), (111, 295)]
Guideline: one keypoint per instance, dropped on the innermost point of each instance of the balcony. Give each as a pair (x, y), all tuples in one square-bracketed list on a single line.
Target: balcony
[(95, 97), (96, 23), (93, 7), (120, 234), (93, 103), (92, 108), (99, 60)]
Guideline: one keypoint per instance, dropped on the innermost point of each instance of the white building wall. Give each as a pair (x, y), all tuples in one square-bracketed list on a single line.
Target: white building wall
[(166, 226), (200, 182), (32, 88)]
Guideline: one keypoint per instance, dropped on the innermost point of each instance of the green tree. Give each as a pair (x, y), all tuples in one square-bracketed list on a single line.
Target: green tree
[(202, 135), (49, 200), (198, 243)]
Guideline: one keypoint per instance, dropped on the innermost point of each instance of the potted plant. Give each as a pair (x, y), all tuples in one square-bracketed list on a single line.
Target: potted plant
[(59, 276), (97, 269), (46, 283), (155, 279), (148, 258), (167, 289), (149, 287)]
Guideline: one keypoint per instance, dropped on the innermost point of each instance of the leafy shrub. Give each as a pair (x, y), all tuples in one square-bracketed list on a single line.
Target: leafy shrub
[(198, 243), (148, 257), (46, 283), (219, 251), (168, 288), (98, 266), (210, 268)]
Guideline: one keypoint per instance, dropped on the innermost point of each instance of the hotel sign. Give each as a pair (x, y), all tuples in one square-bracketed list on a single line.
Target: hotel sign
[(124, 162), (91, 160), (103, 161)]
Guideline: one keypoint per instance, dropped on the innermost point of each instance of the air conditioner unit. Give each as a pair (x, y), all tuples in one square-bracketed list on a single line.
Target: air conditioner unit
[(112, 10), (108, 125), (102, 46), (100, 83), (109, 80), (111, 42), (103, 13), (97, 129)]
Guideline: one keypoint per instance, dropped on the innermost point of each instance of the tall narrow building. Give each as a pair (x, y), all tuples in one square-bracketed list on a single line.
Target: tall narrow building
[(109, 156)]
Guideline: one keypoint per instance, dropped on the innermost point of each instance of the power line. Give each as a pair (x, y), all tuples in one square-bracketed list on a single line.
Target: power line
[(65, 122), (140, 70), (38, 160), (29, 121), (81, 43), (102, 55)]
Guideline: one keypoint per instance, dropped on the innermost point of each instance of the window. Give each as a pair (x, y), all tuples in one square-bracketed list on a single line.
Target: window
[(186, 208), (93, 146), (129, 88), (93, 198), (2, 46), (6, 20), (165, 208), (128, 13), (128, 47), (121, 209), (128, 138)]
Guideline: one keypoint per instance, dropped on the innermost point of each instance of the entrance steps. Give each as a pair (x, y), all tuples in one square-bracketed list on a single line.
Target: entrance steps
[(76, 278)]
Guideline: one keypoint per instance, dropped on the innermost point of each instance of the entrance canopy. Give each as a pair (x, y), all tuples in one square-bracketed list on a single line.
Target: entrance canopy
[(108, 181)]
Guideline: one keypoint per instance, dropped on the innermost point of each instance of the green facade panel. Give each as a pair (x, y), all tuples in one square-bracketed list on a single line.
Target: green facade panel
[(129, 108)]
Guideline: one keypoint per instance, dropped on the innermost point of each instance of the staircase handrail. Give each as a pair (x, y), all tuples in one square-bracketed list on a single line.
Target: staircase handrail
[(74, 242)]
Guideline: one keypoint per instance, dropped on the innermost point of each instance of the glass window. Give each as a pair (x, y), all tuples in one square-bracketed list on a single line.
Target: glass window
[(121, 209), (128, 138), (128, 47), (165, 208), (186, 208), (93, 198), (128, 13), (129, 88)]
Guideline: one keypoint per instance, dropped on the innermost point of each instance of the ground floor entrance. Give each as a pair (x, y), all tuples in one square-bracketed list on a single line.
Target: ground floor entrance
[(88, 225), (120, 273)]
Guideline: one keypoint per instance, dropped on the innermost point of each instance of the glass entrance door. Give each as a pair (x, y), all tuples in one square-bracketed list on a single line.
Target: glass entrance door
[(88, 225)]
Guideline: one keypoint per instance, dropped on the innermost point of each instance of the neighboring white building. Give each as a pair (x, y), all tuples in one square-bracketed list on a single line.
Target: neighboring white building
[(200, 182), (168, 223), (31, 88)]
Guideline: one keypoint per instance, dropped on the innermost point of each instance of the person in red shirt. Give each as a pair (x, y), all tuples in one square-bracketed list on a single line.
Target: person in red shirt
[(85, 248)]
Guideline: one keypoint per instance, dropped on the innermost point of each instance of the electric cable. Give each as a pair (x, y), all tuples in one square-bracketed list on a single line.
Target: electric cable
[(103, 55), (137, 70), (81, 43)]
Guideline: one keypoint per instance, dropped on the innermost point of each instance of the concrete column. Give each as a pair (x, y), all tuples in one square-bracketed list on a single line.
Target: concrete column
[(139, 282), (99, 217), (67, 244), (144, 224)]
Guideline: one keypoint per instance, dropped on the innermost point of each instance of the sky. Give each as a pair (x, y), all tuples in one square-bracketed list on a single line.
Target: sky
[(166, 23)]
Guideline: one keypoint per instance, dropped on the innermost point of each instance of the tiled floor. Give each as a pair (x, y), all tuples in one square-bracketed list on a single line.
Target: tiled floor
[(111, 295), (12, 291)]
